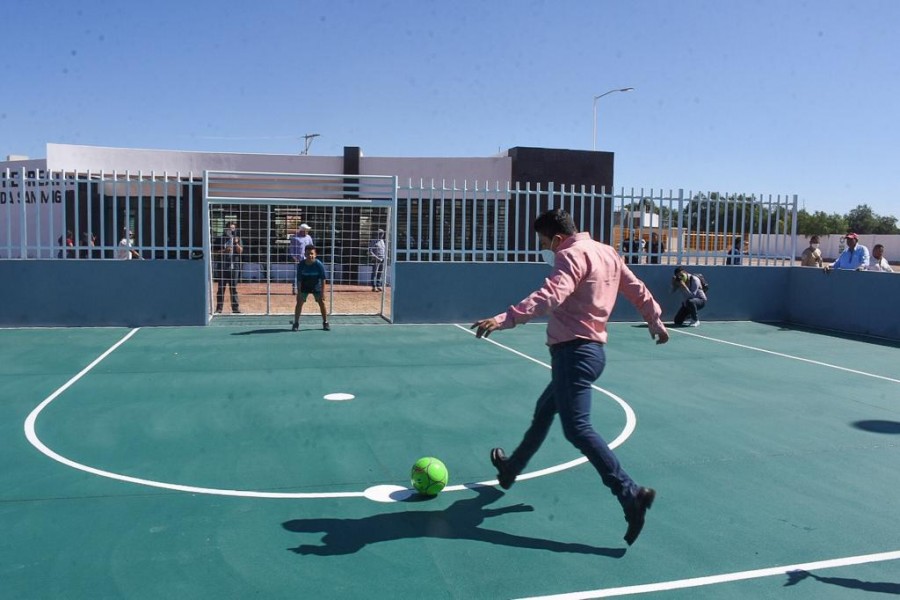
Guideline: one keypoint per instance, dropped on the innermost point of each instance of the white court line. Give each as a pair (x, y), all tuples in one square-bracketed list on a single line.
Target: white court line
[(37, 443), (680, 584), (630, 418), (790, 356), (31, 435)]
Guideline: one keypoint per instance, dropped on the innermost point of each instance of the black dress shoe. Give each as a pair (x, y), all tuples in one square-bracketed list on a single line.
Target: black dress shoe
[(504, 475), (635, 512)]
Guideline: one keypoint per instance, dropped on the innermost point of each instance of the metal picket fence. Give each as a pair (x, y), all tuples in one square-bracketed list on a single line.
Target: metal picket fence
[(173, 216)]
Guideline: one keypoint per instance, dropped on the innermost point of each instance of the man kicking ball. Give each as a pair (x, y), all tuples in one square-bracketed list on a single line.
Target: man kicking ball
[(579, 296)]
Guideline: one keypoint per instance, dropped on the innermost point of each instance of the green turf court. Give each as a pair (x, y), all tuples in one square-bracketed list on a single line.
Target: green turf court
[(207, 463)]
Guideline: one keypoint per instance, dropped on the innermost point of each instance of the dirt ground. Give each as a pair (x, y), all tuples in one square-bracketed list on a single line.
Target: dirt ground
[(347, 300)]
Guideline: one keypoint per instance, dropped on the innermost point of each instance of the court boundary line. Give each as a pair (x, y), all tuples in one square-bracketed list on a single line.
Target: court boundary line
[(783, 355), (679, 584), (34, 440), (630, 416)]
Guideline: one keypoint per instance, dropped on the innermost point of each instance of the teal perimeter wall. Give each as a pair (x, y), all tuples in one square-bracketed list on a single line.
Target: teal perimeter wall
[(154, 293), (846, 301), (123, 293)]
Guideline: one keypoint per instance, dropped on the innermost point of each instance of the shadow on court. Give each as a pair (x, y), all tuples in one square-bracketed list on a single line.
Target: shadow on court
[(795, 577), (876, 426), (261, 331), (461, 520)]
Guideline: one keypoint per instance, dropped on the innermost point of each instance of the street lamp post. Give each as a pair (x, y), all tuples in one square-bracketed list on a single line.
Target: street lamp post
[(628, 89)]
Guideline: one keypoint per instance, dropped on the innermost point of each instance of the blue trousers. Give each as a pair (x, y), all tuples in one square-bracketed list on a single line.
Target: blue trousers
[(575, 366)]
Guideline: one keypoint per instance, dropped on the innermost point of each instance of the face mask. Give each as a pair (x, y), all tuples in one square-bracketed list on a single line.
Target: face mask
[(549, 257)]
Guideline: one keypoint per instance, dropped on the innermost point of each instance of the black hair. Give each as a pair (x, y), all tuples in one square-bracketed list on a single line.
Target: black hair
[(679, 270), (555, 222), (308, 248)]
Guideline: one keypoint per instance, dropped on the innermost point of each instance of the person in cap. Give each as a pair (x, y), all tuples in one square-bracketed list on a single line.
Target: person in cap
[(299, 241), (377, 253), (854, 258)]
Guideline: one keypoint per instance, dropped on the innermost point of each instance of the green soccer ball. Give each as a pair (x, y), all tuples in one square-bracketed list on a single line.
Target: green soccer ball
[(429, 476)]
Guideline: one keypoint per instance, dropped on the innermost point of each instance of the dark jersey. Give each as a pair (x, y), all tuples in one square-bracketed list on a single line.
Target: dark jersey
[(311, 276)]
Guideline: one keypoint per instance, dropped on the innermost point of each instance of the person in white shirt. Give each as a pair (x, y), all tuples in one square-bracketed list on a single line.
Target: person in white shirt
[(878, 262), (126, 250)]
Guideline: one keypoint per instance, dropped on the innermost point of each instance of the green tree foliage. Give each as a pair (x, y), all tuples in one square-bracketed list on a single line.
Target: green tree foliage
[(731, 213), (863, 219), (820, 223)]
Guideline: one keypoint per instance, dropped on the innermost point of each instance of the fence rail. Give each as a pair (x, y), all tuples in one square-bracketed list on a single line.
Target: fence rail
[(78, 215)]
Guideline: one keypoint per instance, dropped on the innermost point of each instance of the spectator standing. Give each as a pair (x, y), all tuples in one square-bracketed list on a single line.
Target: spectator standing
[(126, 249), (67, 245), (878, 262), (736, 254), (656, 248), (226, 252), (299, 241), (377, 253), (854, 258), (631, 248), (88, 241), (694, 298), (812, 256)]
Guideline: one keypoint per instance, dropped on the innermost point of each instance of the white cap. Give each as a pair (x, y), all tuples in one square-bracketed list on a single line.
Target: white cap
[(306, 227)]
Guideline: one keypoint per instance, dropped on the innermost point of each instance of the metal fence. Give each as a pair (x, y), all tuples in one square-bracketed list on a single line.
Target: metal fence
[(450, 222), (90, 216)]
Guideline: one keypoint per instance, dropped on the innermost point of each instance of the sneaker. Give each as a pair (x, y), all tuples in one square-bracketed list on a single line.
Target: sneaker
[(295, 326), (636, 511), (236, 311), (504, 475), (326, 326), (694, 323)]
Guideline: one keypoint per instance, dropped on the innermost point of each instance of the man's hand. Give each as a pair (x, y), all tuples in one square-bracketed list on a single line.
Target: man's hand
[(485, 327), (662, 337)]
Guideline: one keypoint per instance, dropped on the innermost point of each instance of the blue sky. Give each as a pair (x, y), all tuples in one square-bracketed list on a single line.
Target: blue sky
[(768, 96)]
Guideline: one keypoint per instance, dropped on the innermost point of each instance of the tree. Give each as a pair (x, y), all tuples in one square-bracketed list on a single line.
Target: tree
[(863, 219), (887, 225), (820, 223)]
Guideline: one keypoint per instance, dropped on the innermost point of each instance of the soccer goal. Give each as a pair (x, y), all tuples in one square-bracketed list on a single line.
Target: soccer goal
[(252, 257)]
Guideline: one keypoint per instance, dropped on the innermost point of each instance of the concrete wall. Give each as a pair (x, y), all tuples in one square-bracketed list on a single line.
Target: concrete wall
[(156, 293), (848, 301), (44, 293), (447, 292)]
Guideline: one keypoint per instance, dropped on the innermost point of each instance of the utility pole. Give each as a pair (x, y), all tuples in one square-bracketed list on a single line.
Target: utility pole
[(307, 142)]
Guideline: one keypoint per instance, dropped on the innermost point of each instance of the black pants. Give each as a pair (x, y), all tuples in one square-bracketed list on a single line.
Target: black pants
[(689, 308), (227, 278)]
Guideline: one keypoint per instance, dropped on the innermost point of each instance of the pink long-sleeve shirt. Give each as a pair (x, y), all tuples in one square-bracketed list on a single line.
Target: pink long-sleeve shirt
[(580, 293)]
